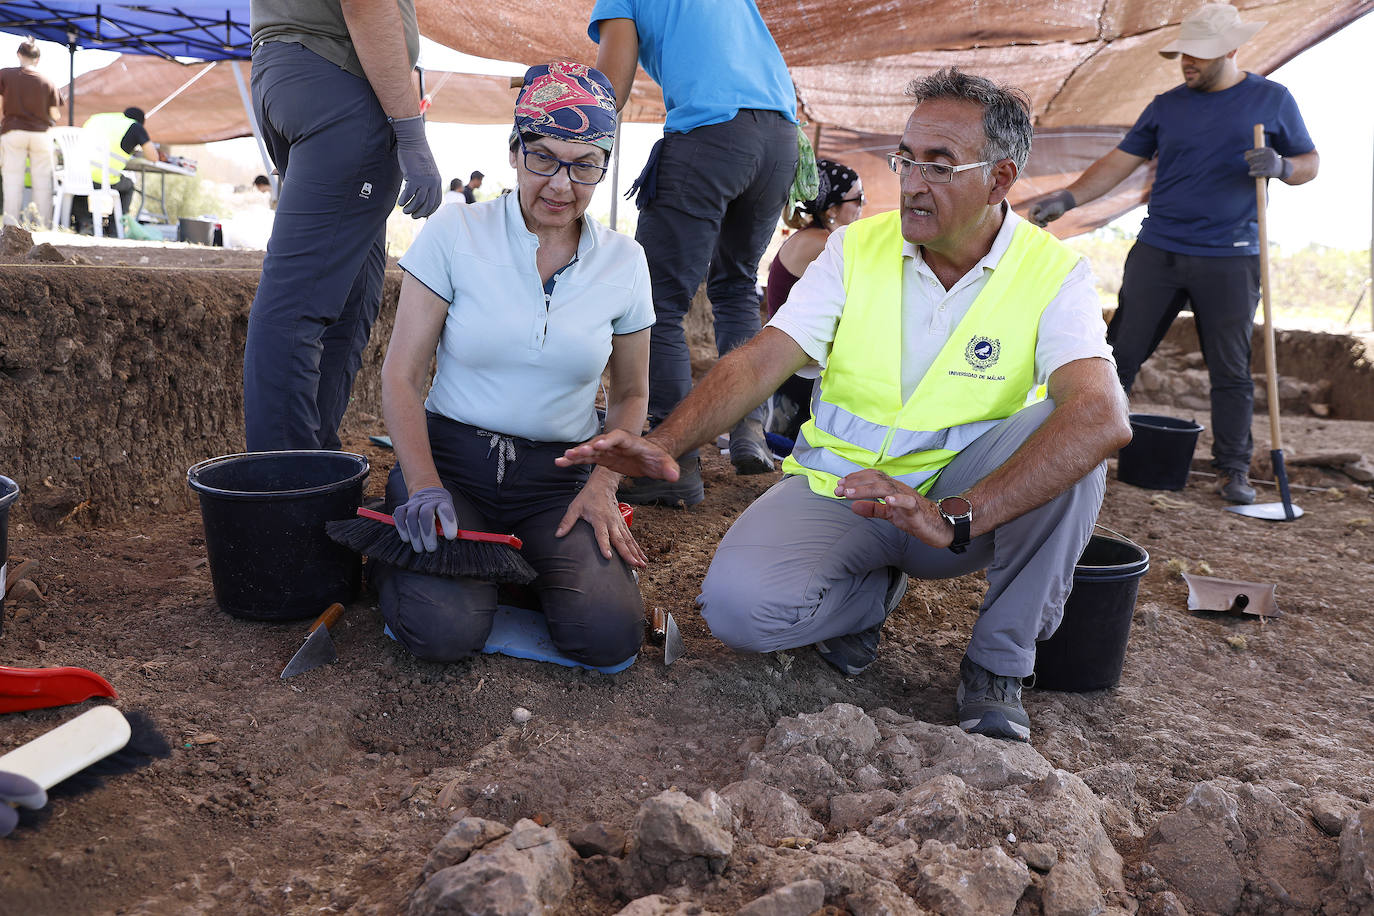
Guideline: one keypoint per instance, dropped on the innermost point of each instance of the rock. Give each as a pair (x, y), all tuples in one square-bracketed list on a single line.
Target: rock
[(1330, 812), (969, 882), (797, 899), (1039, 856), (887, 862), (656, 905), (23, 592), (1327, 459), (1195, 847), (676, 840), (856, 810), (520, 715), (840, 734), (805, 774), (770, 813), (1357, 857), (1071, 891), (528, 872), (1362, 470), (463, 837), (883, 898), (1165, 903), (46, 254), (597, 839), (935, 810), (15, 241)]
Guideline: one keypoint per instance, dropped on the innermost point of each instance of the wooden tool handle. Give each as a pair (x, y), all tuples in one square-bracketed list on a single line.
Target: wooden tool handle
[(462, 533), (330, 617), (1271, 369), (517, 82)]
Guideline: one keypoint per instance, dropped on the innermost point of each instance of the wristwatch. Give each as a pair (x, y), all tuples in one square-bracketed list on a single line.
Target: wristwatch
[(958, 511)]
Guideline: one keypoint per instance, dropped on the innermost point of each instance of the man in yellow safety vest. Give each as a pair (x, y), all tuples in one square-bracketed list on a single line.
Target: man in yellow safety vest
[(123, 133), (931, 450)]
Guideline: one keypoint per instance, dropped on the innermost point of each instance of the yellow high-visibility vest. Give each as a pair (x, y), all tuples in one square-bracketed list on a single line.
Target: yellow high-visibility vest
[(984, 373), (111, 125)]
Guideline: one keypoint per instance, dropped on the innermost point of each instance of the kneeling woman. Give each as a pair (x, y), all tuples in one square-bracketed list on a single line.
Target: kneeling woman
[(527, 302)]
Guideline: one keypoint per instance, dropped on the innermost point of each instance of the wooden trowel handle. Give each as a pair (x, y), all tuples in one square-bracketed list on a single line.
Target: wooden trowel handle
[(330, 617)]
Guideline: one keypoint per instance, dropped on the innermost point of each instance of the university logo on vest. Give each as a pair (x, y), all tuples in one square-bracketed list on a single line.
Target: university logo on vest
[(982, 354)]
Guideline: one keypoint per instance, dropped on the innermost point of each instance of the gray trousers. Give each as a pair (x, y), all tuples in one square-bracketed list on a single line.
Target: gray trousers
[(797, 568)]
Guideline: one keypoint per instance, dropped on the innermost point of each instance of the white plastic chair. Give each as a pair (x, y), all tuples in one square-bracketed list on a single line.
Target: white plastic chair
[(78, 151)]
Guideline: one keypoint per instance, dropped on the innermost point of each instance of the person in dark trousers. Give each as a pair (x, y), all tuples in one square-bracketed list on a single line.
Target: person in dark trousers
[(712, 192), (124, 134), (1199, 245), (334, 92), (470, 189)]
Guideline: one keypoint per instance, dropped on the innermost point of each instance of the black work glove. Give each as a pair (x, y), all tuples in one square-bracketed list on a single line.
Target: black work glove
[(1047, 209), (1265, 162), (422, 192), (17, 790)]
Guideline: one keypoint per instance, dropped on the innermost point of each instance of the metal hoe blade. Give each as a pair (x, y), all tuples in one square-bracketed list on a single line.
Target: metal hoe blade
[(1270, 512), (317, 650)]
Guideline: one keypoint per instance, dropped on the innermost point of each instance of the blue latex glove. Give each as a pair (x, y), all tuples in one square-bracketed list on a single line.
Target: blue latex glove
[(423, 191), (1266, 162), (17, 790), (415, 518), (1047, 209)]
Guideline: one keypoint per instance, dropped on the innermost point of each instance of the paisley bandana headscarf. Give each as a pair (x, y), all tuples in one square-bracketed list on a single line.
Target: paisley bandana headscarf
[(835, 182), (567, 101)]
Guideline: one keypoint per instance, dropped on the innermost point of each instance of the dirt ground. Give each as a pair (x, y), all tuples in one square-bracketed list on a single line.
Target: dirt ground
[(325, 793)]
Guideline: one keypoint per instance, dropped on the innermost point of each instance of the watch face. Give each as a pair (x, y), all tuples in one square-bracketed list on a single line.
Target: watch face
[(955, 506)]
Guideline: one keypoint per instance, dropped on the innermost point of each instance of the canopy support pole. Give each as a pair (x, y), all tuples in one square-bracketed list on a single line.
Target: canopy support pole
[(257, 132), (180, 89), (71, 79), (615, 176)]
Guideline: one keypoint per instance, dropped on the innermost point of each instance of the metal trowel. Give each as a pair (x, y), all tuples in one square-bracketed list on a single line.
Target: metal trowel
[(665, 631), (319, 646)]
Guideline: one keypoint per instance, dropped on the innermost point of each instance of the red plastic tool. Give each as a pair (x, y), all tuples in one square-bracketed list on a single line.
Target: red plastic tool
[(462, 534), (39, 688)]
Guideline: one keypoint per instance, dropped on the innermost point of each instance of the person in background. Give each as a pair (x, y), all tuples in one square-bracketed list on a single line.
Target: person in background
[(527, 302), (335, 92), (262, 183), (712, 192), (471, 188), (29, 107), (454, 194), (1199, 243), (838, 202), (125, 134)]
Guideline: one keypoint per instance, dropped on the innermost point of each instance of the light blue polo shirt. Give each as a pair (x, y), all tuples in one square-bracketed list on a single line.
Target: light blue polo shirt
[(505, 362), (711, 58)]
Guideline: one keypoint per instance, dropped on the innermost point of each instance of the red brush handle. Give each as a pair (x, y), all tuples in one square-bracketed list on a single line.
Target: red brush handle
[(462, 534), (39, 688)]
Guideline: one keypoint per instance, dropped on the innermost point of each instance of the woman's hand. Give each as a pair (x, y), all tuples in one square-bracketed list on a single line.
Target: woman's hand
[(597, 506)]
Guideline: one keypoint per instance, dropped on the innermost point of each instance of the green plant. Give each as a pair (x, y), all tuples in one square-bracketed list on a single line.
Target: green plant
[(190, 198)]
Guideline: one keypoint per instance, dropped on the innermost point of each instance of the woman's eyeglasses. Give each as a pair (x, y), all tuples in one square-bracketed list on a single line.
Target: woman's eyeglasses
[(541, 163)]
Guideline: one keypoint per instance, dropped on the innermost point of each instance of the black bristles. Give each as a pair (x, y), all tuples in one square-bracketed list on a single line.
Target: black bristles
[(454, 559)]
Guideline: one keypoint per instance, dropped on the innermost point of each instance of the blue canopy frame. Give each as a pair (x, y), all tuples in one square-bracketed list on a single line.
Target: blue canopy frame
[(202, 29)]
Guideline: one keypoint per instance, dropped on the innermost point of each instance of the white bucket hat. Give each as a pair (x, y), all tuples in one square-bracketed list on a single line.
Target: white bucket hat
[(1214, 30)]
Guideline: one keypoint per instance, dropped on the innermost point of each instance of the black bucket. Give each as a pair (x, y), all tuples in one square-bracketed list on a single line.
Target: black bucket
[(9, 492), (264, 515), (1160, 452), (1089, 648)]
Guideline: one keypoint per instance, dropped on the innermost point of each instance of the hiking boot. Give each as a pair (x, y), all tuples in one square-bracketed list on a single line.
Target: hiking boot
[(687, 490), (990, 704), (854, 652), (749, 449), (1235, 487)]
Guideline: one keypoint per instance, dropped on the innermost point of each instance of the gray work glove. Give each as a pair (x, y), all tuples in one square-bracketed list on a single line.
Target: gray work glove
[(1265, 162), (1047, 209), (17, 790), (423, 191), (415, 518)]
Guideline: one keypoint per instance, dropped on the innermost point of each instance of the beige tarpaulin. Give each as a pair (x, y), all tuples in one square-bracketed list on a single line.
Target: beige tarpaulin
[(1088, 67)]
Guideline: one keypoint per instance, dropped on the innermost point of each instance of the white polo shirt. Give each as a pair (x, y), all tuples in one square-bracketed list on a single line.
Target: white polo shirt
[(506, 362), (1071, 326)]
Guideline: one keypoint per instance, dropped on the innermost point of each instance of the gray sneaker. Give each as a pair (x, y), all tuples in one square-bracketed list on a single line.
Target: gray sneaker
[(854, 652), (1235, 487), (687, 490), (990, 704)]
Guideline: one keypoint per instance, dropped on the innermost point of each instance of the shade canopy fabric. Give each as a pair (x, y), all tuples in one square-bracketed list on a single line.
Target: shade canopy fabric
[(203, 29)]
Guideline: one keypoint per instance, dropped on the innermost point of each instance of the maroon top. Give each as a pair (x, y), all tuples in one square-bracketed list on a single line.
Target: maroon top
[(780, 283), (27, 97)]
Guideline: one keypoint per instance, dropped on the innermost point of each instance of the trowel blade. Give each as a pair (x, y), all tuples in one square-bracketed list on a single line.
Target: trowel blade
[(317, 650), (673, 648), (1270, 512)]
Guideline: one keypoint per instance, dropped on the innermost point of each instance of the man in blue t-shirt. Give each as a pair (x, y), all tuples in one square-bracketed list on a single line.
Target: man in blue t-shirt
[(1200, 242), (712, 192)]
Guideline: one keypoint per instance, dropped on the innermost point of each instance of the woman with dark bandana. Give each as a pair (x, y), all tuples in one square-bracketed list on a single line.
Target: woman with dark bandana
[(527, 301), (838, 202)]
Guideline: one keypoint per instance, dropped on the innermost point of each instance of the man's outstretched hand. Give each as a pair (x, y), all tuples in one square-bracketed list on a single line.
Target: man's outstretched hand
[(619, 451), (901, 505)]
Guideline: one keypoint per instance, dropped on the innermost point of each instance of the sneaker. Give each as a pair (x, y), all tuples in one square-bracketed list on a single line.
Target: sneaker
[(687, 490), (1235, 487), (854, 652), (990, 704), (749, 449)]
